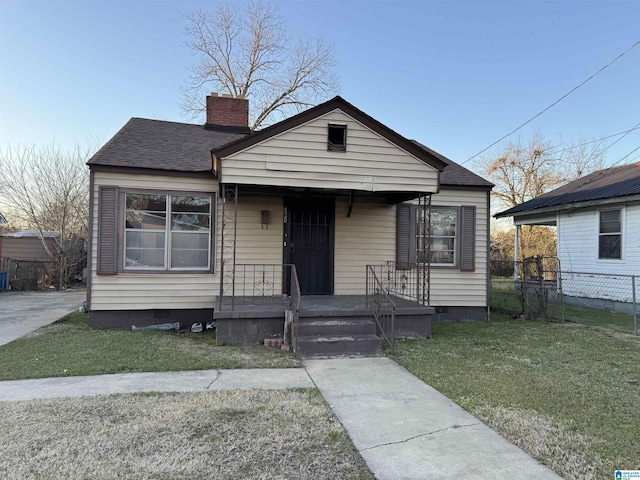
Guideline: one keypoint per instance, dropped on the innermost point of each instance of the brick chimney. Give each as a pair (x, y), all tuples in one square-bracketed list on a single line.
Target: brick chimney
[(227, 110)]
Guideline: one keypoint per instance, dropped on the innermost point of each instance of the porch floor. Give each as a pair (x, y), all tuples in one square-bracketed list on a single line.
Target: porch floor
[(314, 306)]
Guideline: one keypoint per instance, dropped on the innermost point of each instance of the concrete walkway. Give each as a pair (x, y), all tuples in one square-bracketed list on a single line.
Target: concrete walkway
[(404, 429), (195, 381), (24, 312)]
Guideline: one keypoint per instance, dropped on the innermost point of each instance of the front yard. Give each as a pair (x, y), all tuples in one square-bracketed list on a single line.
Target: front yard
[(70, 347), (223, 435), (569, 394)]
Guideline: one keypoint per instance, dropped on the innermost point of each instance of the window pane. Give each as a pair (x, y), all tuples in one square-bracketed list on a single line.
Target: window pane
[(439, 244), (146, 220), (189, 221), (190, 204), (442, 257), (610, 246), (198, 241), (141, 258), (149, 202), (610, 221), (189, 250), (144, 249)]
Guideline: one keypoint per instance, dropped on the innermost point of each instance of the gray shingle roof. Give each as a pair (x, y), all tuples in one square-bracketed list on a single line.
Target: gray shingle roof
[(161, 145), (602, 184), (455, 175), (185, 147)]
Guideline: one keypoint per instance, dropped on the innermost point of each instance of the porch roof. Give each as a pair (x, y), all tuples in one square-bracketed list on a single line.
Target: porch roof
[(389, 198)]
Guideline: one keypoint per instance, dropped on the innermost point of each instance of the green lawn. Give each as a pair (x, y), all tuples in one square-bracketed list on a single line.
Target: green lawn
[(70, 347), (567, 393)]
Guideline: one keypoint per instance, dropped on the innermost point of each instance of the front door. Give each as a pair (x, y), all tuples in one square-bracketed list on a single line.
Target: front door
[(308, 243)]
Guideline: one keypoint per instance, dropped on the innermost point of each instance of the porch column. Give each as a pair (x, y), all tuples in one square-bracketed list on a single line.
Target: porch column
[(228, 227), (516, 252)]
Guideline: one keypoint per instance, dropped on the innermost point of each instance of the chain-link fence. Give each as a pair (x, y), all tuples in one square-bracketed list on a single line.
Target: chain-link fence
[(538, 289)]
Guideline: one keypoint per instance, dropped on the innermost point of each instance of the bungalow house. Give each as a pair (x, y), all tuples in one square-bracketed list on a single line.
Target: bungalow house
[(597, 220), (324, 215)]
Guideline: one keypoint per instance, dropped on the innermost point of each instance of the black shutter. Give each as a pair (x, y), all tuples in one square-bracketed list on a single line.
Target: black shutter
[(405, 236), (468, 239), (107, 230)]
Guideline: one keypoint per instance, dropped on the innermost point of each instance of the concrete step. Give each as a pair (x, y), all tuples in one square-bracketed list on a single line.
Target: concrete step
[(334, 345), (344, 326)]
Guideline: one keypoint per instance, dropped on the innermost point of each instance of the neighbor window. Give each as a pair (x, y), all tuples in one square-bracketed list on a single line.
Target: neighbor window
[(444, 224), (167, 232), (337, 138), (610, 234)]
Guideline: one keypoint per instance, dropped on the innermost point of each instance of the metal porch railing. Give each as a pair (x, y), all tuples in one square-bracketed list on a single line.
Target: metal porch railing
[(382, 307), (294, 306), (404, 280)]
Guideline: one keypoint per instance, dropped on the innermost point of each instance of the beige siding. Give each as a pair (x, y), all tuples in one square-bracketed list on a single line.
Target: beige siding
[(367, 237), (299, 158), (451, 287), (133, 291)]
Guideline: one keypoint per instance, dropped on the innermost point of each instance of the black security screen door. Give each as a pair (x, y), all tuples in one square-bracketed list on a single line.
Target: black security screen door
[(308, 243)]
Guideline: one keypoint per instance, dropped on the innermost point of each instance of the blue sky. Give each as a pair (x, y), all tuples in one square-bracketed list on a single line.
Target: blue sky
[(454, 75)]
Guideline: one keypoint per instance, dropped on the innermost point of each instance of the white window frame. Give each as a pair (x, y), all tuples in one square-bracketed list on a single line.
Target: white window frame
[(620, 234), (168, 233), (456, 236)]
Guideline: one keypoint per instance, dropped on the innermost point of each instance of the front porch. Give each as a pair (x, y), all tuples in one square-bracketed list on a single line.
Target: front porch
[(326, 325)]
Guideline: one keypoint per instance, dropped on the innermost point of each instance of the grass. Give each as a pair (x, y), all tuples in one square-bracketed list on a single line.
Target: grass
[(276, 434), (569, 394), (70, 347)]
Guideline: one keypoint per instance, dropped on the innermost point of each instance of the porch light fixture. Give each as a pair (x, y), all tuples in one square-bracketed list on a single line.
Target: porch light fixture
[(264, 214)]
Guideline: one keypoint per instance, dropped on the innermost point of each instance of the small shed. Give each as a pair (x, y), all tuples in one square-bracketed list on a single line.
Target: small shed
[(27, 245)]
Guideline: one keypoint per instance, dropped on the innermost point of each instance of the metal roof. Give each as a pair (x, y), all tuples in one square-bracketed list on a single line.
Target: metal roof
[(603, 184), (30, 234)]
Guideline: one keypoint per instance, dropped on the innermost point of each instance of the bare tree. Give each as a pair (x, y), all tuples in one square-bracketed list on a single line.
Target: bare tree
[(581, 157), (525, 170), (249, 53), (47, 189)]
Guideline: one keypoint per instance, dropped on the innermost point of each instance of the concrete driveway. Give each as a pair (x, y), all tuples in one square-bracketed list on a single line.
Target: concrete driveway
[(24, 312)]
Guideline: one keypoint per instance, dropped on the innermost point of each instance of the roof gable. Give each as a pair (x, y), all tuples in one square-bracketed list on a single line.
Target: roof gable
[(336, 103), (301, 157)]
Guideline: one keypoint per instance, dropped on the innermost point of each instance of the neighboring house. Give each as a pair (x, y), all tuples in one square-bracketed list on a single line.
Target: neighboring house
[(28, 246), (185, 217), (597, 220)]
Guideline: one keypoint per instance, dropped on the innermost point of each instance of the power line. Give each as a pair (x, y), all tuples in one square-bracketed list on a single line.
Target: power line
[(613, 143), (554, 103), (627, 155), (625, 132)]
